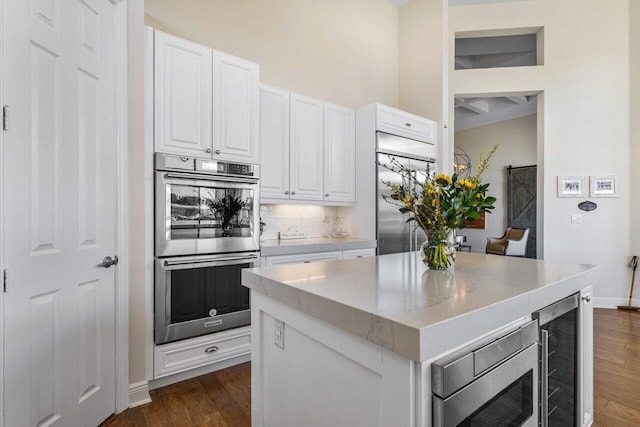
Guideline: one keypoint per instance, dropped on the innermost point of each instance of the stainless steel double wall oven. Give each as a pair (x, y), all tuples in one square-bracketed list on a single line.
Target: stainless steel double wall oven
[(206, 231)]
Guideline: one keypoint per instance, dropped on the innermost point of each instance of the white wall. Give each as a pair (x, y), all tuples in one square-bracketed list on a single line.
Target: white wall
[(585, 111), (345, 52), (635, 129), (518, 147), (137, 220)]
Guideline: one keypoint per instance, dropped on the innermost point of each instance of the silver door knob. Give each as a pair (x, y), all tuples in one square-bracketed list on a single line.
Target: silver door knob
[(586, 298), (108, 261), (208, 150), (217, 151)]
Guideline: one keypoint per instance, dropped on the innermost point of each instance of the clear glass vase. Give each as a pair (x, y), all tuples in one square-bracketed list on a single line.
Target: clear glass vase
[(438, 254)]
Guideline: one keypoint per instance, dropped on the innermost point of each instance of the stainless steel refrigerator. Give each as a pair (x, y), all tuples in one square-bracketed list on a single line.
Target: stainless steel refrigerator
[(394, 233)]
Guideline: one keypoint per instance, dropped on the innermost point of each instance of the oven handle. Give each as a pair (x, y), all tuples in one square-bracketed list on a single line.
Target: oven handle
[(224, 178), (211, 261)]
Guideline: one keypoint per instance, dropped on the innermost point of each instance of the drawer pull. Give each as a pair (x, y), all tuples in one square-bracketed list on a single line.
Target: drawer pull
[(211, 349), (306, 262), (359, 256), (408, 125)]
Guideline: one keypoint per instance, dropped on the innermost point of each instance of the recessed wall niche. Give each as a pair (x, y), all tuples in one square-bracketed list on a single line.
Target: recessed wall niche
[(521, 47)]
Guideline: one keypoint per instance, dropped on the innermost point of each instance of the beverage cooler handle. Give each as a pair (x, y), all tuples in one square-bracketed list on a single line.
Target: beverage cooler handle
[(544, 395)]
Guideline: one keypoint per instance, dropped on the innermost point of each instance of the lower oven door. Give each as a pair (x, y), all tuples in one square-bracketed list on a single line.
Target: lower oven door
[(505, 396), (200, 295)]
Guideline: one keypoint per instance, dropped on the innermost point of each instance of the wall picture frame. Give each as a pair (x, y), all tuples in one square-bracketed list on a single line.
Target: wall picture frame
[(603, 186), (572, 186)]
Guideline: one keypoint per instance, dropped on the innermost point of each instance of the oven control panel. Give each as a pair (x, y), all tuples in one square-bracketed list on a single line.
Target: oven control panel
[(214, 167)]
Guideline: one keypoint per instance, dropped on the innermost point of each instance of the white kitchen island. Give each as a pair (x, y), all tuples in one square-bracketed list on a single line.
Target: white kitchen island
[(350, 342)]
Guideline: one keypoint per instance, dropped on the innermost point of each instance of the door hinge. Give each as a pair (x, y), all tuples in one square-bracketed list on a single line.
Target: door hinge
[(5, 117), (5, 273)]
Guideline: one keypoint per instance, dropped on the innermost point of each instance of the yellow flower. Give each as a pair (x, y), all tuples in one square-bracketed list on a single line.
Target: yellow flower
[(443, 177), (466, 183)]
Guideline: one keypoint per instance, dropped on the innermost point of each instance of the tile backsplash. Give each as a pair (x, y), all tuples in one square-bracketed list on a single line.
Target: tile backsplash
[(302, 218)]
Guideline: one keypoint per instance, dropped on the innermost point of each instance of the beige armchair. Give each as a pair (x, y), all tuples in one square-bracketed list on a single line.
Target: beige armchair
[(513, 243)]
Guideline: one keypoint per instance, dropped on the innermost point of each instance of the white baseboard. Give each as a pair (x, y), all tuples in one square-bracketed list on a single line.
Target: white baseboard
[(602, 302), (139, 394)]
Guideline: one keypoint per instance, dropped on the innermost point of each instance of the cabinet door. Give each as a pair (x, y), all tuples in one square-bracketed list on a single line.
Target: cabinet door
[(236, 108), (339, 154), (302, 258), (397, 122), (183, 93), (586, 358), (306, 148), (358, 253), (274, 142)]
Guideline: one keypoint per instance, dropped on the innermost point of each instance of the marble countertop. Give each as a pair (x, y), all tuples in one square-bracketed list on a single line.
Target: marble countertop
[(306, 246), (395, 302)]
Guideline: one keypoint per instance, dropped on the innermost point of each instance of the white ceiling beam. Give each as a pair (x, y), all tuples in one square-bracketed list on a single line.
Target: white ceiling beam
[(520, 100), (479, 106)]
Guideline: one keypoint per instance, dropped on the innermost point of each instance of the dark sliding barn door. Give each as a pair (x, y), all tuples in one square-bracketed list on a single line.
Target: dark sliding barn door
[(522, 184)]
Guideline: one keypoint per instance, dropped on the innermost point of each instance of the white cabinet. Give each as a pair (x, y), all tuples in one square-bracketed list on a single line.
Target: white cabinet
[(307, 149), (301, 258), (358, 253), (193, 353), (339, 153), (401, 123), (235, 108), (306, 133), (183, 96), (274, 141), (585, 341), (206, 102)]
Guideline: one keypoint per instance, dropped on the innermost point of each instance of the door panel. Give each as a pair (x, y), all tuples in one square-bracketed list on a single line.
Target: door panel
[(59, 218), (522, 185), (274, 139), (339, 153), (306, 147)]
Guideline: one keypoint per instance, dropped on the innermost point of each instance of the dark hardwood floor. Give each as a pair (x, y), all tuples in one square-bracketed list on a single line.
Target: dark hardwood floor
[(223, 398)]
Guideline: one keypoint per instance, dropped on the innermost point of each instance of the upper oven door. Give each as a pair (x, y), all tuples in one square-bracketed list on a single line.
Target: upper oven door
[(201, 214)]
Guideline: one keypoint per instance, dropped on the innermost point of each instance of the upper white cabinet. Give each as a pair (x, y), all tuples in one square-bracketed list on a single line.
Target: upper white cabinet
[(206, 102), (307, 149), (307, 115), (183, 96), (274, 141), (235, 108), (401, 123), (339, 153)]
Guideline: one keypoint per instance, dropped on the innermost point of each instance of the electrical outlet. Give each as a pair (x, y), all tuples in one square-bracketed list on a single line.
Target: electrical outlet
[(279, 335), (576, 219)]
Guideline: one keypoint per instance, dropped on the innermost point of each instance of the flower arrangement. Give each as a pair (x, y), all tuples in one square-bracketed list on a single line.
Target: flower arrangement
[(440, 204)]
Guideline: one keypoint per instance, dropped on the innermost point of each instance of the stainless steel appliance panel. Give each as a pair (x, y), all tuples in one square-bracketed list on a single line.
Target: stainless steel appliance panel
[(394, 233), (199, 295), (200, 213), (506, 395)]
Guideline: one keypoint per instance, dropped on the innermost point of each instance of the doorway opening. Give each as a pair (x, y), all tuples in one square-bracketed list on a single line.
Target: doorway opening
[(515, 171)]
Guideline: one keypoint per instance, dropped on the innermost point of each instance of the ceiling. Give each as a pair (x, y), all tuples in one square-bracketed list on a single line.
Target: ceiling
[(475, 112), (398, 3)]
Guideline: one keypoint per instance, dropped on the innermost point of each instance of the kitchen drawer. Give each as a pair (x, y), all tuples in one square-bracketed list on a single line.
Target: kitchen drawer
[(196, 352), (358, 253), (302, 258), (401, 123)]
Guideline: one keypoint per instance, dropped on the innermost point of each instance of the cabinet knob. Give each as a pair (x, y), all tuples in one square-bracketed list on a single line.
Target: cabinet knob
[(208, 150), (217, 151), (326, 195), (586, 298), (293, 193), (408, 125), (286, 192)]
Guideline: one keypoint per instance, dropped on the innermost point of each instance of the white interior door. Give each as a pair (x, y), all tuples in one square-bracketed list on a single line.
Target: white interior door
[(59, 205)]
